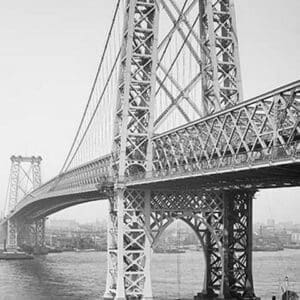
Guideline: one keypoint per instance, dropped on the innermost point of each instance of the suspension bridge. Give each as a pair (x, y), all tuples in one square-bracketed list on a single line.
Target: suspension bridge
[(166, 134)]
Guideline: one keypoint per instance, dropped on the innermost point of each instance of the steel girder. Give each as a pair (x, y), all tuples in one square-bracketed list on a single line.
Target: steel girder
[(258, 131), (203, 212), (221, 220), (88, 177), (223, 223), (12, 235), (96, 172)]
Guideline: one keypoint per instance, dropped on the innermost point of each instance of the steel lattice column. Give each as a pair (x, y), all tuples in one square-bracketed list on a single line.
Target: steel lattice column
[(112, 250), (38, 225), (213, 272), (132, 150), (36, 172), (25, 234), (221, 78), (12, 230), (12, 235), (237, 242), (135, 104), (39, 236), (128, 246)]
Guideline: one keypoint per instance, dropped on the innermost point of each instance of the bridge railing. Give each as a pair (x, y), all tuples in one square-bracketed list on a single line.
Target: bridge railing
[(80, 178), (260, 131), (89, 174)]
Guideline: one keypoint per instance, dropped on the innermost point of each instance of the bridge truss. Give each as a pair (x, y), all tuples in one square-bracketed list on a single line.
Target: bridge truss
[(184, 146), (25, 176), (134, 219)]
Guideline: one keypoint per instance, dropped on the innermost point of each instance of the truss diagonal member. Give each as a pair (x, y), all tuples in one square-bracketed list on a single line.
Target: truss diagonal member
[(26, 174), (169, 94), (175, 101), (186, 22), (185, 92), (177, 24), (181, 32)]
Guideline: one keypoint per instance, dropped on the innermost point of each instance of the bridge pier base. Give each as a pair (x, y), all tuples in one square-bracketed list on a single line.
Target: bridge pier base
[(31, 236), (222, 220), (111, 252), (129, 248), (3, 236), (237, 278), (12, 236), (39, 237)]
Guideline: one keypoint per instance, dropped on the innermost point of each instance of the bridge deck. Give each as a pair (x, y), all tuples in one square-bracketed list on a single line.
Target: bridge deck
[(261, 133), (255, 144)]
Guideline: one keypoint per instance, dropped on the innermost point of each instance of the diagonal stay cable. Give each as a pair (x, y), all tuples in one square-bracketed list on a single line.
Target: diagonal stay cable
[(181, 14), (93, 86), (96, 108), (177, 55)]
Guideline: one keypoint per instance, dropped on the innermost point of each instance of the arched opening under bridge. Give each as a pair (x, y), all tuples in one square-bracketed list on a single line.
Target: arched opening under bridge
[(178, 261)]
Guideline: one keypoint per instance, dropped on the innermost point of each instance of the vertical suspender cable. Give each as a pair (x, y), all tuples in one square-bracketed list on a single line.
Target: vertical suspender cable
[(93, 87)]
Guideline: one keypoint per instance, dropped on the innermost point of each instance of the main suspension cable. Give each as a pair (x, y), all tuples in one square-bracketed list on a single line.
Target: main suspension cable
[(93, 86), (96, 109)]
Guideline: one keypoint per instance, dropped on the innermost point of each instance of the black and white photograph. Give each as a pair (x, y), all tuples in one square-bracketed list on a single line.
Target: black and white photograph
[(150, 150)]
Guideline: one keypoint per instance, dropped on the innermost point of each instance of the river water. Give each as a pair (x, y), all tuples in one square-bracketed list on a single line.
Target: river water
[(77, 276)]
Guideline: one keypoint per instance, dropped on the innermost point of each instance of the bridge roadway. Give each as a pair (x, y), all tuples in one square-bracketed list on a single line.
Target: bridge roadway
[(255, 144)]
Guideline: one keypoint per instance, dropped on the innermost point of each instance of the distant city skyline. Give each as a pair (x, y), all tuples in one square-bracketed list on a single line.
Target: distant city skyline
[(57, 218)]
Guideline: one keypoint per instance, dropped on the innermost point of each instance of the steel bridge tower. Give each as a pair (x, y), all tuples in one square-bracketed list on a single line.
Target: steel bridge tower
[(25, 176), (222, 219)]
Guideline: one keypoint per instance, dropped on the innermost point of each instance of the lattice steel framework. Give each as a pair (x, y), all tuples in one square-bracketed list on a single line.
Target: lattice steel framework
[(134, 111), (136, 216), (132, 151), (221, 220), (221, 78), (265, 128), (128, 246), (237, 243), (12, 199), (259, 131), (204, 213), (22, 181)]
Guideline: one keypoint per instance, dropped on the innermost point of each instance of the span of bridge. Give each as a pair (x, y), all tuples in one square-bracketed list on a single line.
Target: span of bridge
[(186, 156), (195, 156)]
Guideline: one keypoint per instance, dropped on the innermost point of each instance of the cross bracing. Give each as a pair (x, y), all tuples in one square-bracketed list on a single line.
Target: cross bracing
[(260, 142), (166, 135), (183, 76)]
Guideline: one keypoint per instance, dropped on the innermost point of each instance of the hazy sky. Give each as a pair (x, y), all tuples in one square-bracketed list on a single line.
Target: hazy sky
[(48, 58)]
